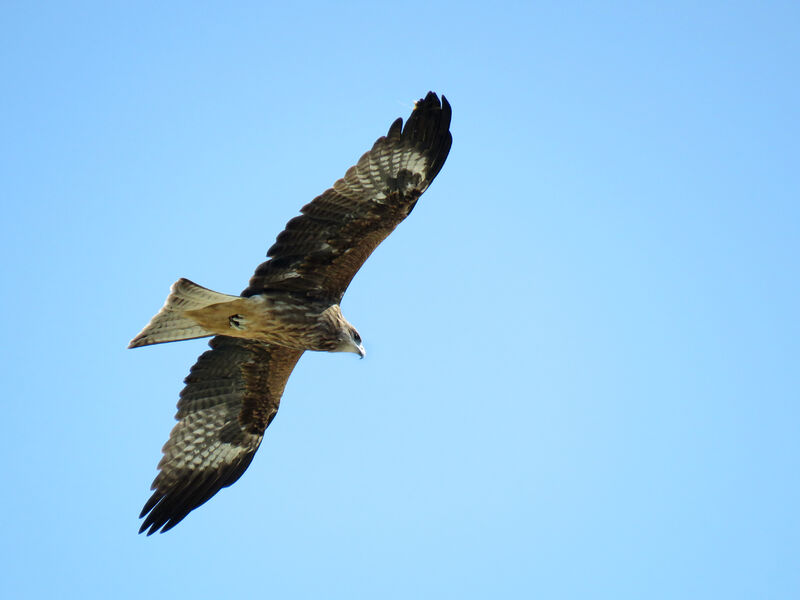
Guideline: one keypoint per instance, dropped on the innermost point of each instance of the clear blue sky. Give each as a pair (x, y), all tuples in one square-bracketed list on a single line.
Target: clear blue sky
[(583, 369)]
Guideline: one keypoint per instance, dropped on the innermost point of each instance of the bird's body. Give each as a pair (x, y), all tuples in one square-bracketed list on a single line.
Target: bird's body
[(291, 305), (280, 319)]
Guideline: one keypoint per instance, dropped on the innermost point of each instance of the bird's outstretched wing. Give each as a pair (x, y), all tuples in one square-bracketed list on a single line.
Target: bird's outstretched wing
[(320, 251), (232, 394)]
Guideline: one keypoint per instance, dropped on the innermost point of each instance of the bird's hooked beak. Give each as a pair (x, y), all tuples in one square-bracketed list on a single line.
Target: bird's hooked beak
[(356, 343)]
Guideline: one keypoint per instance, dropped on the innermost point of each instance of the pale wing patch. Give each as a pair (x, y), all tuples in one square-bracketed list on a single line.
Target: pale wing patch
[(204, 438), (416, 163)]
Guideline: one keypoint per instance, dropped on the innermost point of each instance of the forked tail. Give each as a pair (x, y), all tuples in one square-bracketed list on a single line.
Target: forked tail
[(170, 324)]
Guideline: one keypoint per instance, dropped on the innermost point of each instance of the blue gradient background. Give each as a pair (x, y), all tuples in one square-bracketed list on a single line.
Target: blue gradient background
[(582, 377)]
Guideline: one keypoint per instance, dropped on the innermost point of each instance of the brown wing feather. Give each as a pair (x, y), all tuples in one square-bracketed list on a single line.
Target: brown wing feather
[(232, 394), (320, 251)]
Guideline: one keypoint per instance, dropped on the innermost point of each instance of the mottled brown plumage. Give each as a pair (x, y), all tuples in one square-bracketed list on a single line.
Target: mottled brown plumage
[(290, 305)]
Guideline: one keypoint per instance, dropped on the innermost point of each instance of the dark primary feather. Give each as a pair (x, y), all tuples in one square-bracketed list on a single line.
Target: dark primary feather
[(232, 394), (320, 251)]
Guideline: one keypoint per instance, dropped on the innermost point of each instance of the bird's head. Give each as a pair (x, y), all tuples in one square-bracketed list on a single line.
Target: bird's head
[(339, 335), (350, 341)]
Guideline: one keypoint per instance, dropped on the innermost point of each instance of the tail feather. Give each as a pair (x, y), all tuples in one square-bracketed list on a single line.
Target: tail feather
[(170, 324)]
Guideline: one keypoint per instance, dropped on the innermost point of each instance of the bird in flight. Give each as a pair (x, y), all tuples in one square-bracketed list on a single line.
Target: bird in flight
[(291, 305)]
